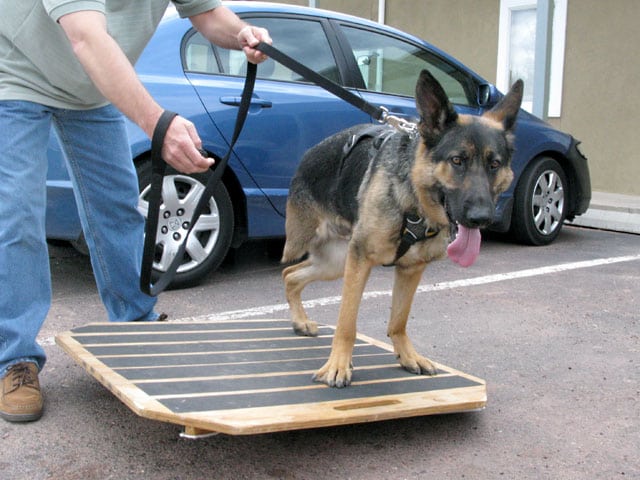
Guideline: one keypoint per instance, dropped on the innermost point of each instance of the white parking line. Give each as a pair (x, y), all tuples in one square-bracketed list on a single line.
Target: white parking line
[(467, 282)]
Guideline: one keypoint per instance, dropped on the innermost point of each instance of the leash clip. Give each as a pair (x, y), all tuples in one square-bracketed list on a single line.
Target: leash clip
[(398, 123)]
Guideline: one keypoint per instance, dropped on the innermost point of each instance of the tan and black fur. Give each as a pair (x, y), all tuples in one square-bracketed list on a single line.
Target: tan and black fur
[(345, 215)]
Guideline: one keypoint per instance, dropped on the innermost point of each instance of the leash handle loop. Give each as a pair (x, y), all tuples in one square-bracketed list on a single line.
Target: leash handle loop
[(155, 192), (158, 167)]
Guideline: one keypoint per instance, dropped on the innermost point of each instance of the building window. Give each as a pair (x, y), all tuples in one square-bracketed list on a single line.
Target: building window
[(517, 49)]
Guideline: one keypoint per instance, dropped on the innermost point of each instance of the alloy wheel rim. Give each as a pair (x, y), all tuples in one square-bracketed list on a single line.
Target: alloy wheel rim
[(547, 206), (180, 195)]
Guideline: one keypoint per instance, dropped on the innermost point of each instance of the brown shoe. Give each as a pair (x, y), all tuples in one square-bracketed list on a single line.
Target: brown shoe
[(21, 399)]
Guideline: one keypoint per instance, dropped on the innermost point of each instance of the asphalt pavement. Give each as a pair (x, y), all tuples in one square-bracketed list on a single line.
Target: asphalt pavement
[(554, 331)]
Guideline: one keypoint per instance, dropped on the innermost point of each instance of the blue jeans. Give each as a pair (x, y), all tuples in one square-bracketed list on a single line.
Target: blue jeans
[(106, 191)]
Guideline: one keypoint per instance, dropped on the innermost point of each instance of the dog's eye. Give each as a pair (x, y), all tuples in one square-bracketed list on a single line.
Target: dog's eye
[(457, 160), (493, 161), (495, 164)]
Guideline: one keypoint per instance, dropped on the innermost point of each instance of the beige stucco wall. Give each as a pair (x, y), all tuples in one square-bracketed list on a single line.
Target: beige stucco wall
[(600, 103), (361, 8), (448, 25), (600, 98)]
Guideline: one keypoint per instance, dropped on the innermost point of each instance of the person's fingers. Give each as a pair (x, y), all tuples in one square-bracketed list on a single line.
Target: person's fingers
[(181, 148), (254, 56), (249, 37)]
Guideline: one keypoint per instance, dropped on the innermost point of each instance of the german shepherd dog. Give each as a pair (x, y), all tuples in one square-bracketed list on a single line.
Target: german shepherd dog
[(360, 194)]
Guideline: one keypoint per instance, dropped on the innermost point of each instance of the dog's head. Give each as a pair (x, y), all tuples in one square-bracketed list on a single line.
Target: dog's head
[(464, 161)]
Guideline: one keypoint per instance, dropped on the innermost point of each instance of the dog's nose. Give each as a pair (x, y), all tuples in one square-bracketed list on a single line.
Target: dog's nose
[(478, 215)]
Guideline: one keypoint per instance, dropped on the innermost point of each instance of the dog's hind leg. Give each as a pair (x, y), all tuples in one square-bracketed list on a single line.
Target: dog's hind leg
[(325, 262), (404, 287), (296, 277)]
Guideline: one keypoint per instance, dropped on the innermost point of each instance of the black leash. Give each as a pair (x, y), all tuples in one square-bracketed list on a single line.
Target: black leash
[(159, 166), (155, 193), (380, 114), (339, 91)]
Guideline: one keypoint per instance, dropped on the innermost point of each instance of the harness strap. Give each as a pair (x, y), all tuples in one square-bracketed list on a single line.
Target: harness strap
[(378, 132), (414, 230)]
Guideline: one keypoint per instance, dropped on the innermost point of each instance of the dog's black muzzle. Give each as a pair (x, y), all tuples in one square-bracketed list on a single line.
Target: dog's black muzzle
[(478, 215), (475, 211)]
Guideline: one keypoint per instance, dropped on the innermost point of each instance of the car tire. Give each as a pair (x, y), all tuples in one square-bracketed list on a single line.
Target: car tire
[(209, 242), (80, 244), (541, 203)]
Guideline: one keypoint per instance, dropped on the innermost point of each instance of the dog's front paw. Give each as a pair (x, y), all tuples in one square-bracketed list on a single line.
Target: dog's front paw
[(335, 373), (418, 364), (305, 328)]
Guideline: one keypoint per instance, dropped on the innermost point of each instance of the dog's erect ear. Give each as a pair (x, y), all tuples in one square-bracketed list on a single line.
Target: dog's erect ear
[(507, 109), (436, 112)]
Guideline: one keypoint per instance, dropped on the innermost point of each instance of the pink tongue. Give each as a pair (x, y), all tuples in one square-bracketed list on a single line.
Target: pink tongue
[(466, 247)]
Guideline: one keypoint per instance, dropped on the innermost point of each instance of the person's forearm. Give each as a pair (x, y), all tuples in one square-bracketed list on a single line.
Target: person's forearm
[(112, 73), (224, 28), (220, 26), (109, 68)]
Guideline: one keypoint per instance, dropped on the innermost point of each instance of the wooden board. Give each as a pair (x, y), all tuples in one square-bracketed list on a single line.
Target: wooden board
[(254, 376)]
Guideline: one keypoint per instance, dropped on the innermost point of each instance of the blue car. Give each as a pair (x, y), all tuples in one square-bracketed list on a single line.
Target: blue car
[(202, 82)]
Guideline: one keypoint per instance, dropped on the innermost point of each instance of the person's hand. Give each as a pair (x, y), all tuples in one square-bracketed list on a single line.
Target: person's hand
[(249, 37), (181, 145)]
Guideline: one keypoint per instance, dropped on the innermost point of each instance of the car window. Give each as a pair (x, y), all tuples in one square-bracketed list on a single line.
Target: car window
[(302, 39), (198, 55), (390, 65)]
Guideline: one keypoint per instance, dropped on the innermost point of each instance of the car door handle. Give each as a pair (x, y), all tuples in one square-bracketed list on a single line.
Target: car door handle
[(255, 102)]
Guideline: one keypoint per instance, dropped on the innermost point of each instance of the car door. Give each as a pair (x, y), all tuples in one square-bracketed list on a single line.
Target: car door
[(287, 115)]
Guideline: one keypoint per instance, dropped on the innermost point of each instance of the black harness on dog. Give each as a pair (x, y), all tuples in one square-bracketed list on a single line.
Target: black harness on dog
[(414, 227), (380, 135)]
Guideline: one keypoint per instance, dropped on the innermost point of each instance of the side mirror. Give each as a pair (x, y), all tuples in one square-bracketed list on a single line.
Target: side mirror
[(487, 95)]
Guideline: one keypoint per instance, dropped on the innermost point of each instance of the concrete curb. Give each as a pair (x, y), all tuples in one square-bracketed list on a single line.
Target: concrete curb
[(609, 211)]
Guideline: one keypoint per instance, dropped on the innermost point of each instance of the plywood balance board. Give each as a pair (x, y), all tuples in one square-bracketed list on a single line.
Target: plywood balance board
[(254, 376)]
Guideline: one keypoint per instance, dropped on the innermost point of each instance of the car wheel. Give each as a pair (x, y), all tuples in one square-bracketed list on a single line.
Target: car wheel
[(209, 241), (80, 244), (540, 206)]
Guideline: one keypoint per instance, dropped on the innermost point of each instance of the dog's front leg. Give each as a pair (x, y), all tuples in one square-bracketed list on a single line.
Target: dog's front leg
[(337, 371), (404, 287)]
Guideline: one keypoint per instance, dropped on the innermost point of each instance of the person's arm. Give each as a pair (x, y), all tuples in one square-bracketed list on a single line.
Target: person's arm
[(112, 73), (224, 28)]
